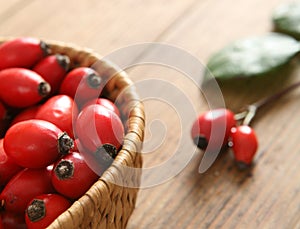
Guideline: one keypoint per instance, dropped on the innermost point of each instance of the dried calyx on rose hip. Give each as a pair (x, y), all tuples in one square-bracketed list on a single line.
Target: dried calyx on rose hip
[(213, 128)]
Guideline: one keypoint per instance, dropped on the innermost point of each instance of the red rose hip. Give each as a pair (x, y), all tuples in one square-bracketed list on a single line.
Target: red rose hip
[(72, 177), (244, 144), (42, 210), (82, 84), (22, 52), (53, 69), (24, 186), (97, 126), (20, 87), (60, 110), (36, 143), (213, 127)]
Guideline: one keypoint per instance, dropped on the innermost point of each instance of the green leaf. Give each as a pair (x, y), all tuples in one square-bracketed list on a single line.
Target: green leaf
[(286, 19), (252, 56)]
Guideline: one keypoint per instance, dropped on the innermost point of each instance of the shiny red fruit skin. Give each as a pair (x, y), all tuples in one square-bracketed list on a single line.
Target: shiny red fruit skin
[(77, 184), (76, 84), (53, 69), (20, 87), (12, 220), (97, 125), (244, 143), (32, 143), (60, 110), (54, 205), (106, 103), (219, 118), (24, 186), (7, 167), (22, 52), (26, 114)]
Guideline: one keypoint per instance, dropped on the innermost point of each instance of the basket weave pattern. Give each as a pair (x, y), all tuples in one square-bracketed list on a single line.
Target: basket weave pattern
[(106, 204)]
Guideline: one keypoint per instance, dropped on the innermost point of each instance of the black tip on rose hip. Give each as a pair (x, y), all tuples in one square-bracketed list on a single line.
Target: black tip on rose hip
[(65, 143), (45, 48), (44, 89), (200, 142), (94, 80), (64, 169), (36, 210), (106, 152), (63, 61)]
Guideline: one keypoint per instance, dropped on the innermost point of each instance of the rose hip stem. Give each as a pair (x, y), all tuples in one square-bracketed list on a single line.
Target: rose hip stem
[(248, 115)]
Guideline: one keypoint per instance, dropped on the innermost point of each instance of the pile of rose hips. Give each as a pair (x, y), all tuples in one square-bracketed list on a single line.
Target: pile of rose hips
[(43, 165), (217, 129)]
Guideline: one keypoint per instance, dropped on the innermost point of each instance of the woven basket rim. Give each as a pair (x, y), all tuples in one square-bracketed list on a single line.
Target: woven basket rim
[(130, 149)]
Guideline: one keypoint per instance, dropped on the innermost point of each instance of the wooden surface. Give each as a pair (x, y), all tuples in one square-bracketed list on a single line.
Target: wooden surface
[(267, 196)]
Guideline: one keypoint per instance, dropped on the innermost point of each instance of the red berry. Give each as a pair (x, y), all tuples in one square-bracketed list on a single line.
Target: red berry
[(36, 143), (22, 52), (97, 126), (42, 210), (60, 110), (72, 177), (7, 167), (82, 84), (106, 103), (244, 144), (24, 186), (213, 128), (20, 87), (53, 69)]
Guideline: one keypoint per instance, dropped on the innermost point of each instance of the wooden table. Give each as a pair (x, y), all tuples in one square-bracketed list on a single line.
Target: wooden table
[(267, 196)]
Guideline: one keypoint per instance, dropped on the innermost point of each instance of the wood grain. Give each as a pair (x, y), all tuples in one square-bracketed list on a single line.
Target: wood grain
[(267, 196)]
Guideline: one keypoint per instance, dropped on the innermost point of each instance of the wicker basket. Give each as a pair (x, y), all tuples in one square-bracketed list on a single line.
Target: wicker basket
[(106, 204)]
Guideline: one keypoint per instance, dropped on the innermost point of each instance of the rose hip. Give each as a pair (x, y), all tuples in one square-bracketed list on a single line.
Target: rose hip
[(42, 210), (60, 110), (244, 144), (24, 186), (53, 69), (72, 177), (36, 143), (82, 84), (20, 87), (22, 52), (97, 126), (213, 126)]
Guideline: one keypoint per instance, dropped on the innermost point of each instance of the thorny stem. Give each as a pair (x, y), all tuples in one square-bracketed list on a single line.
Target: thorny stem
[(250, 112)]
